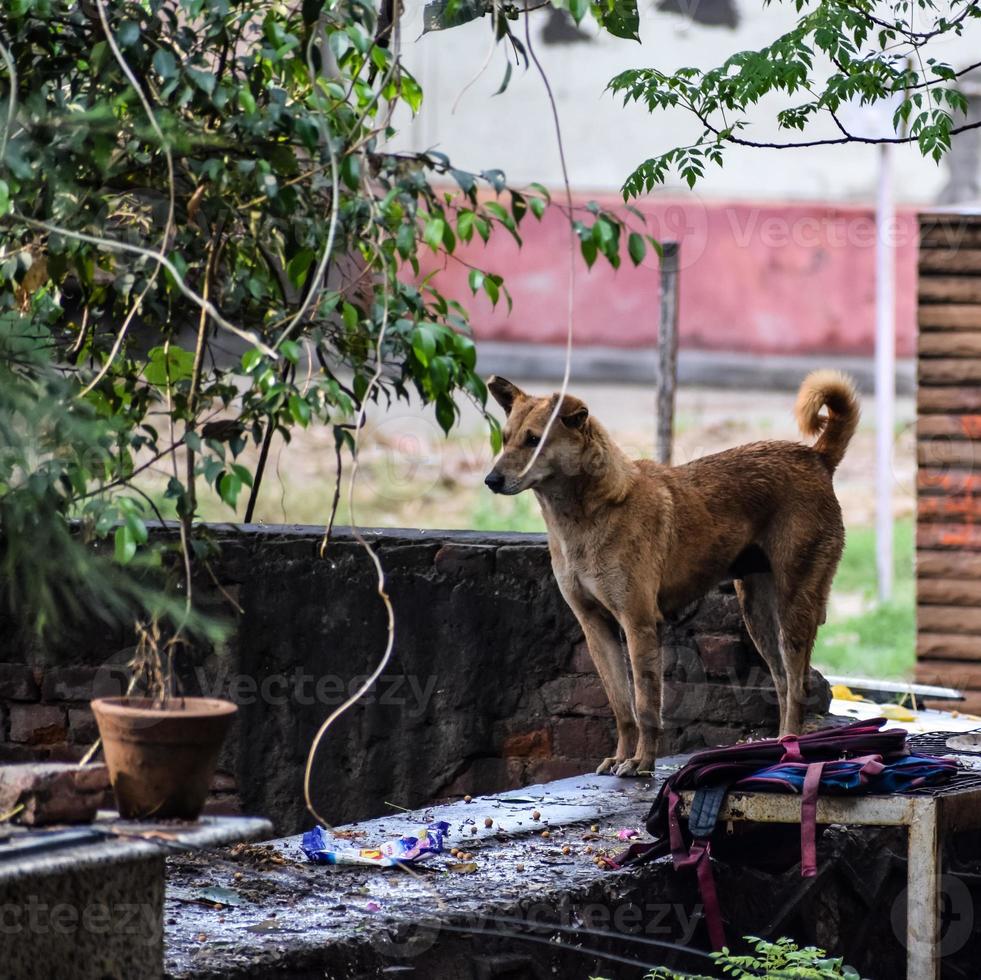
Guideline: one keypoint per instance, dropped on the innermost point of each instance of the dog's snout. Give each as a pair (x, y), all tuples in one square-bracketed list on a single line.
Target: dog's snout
[(494, 481)]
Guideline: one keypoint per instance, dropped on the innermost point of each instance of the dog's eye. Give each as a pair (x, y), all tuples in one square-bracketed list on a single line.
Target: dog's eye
[(532, 440)]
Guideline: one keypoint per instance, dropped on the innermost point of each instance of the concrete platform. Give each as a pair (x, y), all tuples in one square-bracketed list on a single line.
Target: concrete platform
[(517, 908), (86, 902)]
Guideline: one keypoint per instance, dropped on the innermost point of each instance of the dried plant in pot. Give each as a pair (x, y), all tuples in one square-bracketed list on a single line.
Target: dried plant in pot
[(161, 747)]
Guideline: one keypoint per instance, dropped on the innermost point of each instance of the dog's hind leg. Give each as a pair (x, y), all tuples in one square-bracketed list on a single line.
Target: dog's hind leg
[(801, 611), (603, 639), (757, 595)]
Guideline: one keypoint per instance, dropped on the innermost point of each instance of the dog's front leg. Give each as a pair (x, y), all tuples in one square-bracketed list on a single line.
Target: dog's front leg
[(603, 640), (645, 664)]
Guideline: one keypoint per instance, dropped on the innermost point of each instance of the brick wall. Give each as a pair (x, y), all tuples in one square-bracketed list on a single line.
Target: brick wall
[(490, 686), (948, 537)]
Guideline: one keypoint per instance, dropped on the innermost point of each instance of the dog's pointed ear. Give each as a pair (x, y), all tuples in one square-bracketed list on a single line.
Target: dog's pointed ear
[(573, 412), (505, 393)]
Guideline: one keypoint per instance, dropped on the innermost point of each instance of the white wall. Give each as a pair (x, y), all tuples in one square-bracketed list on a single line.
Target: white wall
[(603, 140)]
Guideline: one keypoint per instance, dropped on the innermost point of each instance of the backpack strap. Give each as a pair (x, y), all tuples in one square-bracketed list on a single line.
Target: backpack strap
[(699, 858), (808, 820)]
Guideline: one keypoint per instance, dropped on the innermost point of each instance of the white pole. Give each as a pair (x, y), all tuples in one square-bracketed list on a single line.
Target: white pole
[(885, 372)]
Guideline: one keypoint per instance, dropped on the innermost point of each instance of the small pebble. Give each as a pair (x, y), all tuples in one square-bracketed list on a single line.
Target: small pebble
[(488, 821), (454, 852), (468, 799), (566, 849), (589, 848), (546, 834), (595, 828), (473, 830), (536, 815), (519, 867)]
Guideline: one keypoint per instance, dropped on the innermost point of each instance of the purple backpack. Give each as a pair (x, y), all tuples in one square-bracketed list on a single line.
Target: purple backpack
[(852, 759)]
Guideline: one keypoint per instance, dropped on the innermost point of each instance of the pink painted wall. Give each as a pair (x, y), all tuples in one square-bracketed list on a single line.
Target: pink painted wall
[(774, 279)]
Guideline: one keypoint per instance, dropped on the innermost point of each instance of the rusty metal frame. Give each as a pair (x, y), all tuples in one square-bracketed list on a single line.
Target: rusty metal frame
[(926, 819)]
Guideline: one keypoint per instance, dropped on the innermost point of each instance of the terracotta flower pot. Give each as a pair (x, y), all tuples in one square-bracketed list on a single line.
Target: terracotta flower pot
[(161, 759)]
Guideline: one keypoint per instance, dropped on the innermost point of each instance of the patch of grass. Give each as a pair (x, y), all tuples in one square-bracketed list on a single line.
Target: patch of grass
[(496, 513), (878, 640)]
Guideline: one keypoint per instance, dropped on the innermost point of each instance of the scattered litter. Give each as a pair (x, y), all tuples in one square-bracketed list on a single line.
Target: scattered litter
[(321, 848), (844, 693), (627, 833), (267, 925), (463, 867), (895, 712), (221, 896)]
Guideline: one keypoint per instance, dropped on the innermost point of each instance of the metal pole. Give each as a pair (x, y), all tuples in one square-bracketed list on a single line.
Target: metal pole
[(667, 340), (885, 373)]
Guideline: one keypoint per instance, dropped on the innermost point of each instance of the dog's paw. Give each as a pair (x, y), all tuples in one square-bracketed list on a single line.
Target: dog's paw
[(637, 766), (608, 766)]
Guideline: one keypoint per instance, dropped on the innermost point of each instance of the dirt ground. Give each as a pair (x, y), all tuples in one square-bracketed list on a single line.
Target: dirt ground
[(412, 476)]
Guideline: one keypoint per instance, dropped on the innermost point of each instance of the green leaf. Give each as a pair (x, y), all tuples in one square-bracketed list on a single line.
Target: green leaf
[(128, 34), (405, 239), (125, 544), (492, 288), (351, 318), (296, 268), (250, 360), (476, 280), (229, 485), (300, 410), (165, 64), (636, 247), (578, 8), (423, 343), (619, 17), (136, 527), (537, 206), (205, 80), (290, 350), (433, 232), (242, 473), (168, 365), (445, 413), (464, 225), (443, 14), (506, 80)]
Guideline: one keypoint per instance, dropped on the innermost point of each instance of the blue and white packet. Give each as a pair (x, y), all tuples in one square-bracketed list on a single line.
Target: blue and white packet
[(321, 847)]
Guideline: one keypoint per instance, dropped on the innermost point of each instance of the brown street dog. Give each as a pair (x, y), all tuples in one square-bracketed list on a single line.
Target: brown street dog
[(633, 541)]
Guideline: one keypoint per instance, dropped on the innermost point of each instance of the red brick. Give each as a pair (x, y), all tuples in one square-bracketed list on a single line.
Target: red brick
[(464, 559), (583, 738), (37, 724), (18, 683), (720, 654), (534, 744), (81, 726), (575, 695), (69, 684), (582, 662), (545, 770)]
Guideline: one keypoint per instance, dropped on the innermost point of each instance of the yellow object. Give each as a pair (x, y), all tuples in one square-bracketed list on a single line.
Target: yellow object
[(896, 712), (843, 693)]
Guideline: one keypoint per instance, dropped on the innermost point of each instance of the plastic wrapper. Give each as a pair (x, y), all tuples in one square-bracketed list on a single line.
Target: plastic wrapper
[(321, 847)]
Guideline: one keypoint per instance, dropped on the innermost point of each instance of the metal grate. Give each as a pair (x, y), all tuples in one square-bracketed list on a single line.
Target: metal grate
[(935, 743)]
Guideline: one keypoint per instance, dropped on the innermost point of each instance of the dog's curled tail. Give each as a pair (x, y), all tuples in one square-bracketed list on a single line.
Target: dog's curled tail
[(836, 392)]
